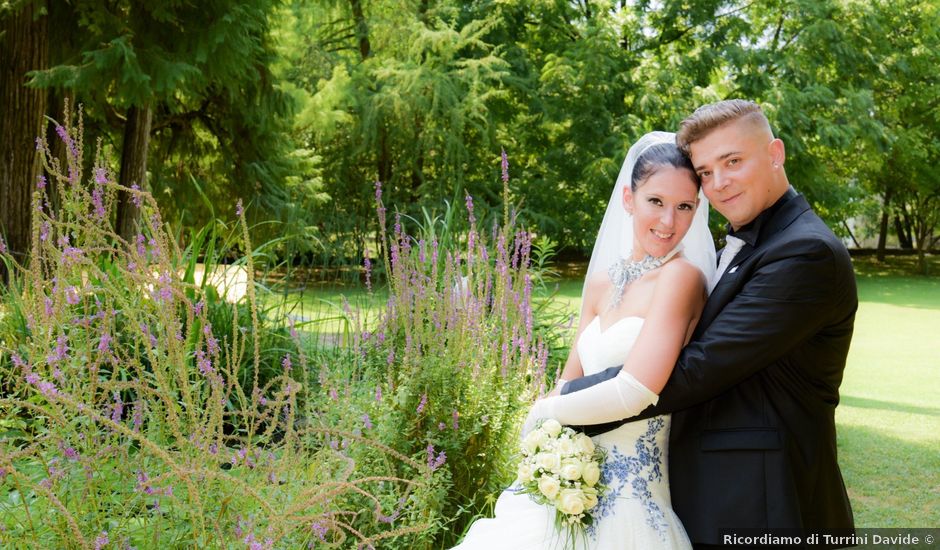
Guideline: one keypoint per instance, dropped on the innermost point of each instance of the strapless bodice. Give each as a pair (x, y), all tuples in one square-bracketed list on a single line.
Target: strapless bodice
[(601, 349)]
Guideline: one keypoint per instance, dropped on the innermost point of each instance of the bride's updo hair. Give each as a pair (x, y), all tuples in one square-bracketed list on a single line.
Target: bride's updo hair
[(656, 157)]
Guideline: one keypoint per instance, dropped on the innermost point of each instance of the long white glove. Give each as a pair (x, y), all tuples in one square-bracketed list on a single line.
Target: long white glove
[(620, 397)]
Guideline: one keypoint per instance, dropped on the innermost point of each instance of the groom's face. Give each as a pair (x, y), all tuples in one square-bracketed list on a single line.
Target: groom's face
[(736, 162)]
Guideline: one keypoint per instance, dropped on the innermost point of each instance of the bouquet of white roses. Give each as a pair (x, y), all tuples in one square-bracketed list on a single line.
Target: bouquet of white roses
[(561, 468)]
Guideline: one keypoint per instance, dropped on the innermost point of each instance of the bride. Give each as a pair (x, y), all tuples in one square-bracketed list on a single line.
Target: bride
[(643, 293)]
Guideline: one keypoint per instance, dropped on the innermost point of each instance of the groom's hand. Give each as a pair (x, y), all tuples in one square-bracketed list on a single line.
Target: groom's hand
[(588, 381)]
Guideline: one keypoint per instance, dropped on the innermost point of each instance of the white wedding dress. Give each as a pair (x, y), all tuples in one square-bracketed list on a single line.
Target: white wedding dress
[(637, 511)]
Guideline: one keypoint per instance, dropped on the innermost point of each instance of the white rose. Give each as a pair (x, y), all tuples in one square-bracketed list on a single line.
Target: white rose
[(590, 498), (584, 444), (550, 462), (533, 441), (549, 487), (570, 502), (566, 447), (525, 472), (571, 469), (591, 474), (551, 427)]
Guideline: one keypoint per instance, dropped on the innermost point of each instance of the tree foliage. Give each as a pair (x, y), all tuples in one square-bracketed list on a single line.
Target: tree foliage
[(302, 105), (200, 75)]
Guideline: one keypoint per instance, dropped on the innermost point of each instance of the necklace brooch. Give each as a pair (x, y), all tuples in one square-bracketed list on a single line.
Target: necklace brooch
[(625, 271)]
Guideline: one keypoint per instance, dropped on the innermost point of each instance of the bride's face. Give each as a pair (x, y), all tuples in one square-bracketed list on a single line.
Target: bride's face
[(662, 208)]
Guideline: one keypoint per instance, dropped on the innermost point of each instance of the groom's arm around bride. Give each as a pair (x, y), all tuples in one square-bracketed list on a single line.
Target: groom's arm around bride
[(753, 394)]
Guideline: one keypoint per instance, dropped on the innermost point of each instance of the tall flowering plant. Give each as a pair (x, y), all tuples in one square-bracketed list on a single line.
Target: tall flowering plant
[(125, 417), (561, 468), (456, 354)]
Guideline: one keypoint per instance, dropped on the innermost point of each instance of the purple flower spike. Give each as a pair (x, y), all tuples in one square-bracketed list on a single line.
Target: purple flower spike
[(117, 410), (64, 135), (70, 453), (72, 255), (104, 345), (422, 404), (138, 418), (239, 209), (435, 462), (48, 389), (97, 200), (505, 166), (469, 201), (204, 363), (102, 540), (320, 530), (135, 197), (101, 176), (71, 296)]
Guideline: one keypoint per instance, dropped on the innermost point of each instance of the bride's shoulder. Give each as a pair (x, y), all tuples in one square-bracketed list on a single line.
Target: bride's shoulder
[(598, 282), (596, 287), (681, 271)]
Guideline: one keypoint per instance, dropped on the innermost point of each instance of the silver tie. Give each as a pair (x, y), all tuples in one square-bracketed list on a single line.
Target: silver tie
[(732, 247)]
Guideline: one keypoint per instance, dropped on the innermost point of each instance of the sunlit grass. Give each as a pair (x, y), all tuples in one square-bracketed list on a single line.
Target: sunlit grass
[(889, 417)]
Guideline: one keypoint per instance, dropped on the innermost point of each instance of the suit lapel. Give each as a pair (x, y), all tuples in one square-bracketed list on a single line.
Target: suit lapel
[(722, 294)]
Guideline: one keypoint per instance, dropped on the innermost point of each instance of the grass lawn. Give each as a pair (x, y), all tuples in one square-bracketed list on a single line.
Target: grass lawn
[(889, 417)]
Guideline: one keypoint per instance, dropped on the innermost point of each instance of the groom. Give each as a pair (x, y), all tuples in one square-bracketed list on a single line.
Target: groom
[(753, 394)]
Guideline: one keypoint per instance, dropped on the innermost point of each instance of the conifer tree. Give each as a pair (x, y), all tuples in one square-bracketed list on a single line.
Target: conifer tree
[(174, 70), (23, 48)]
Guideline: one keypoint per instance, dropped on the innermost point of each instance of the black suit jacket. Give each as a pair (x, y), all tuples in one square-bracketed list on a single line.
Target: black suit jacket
[(753, 394)]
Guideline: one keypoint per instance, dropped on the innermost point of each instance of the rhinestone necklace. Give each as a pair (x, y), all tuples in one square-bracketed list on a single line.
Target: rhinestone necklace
[(625, 271)]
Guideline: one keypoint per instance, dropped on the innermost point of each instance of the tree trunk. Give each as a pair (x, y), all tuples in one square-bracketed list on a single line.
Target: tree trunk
[(362, 29), (384, 162), (133, 168), (883, 230), (851, 235), (23, 48), (923, 240), (902, 227)]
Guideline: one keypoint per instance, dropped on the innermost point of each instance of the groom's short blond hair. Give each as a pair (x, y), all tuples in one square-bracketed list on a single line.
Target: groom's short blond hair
[(714, 115)]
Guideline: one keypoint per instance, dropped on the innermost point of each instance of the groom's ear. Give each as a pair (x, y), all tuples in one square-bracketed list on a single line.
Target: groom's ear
[(778, 152)]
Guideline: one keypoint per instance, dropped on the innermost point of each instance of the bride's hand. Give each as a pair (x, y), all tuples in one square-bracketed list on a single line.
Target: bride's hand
[(536, 413)]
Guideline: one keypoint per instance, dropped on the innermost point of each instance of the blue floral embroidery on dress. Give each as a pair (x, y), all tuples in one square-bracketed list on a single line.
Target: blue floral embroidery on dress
[(637, 471)]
